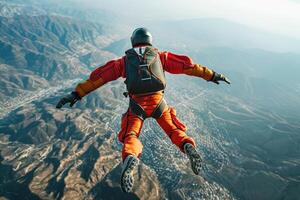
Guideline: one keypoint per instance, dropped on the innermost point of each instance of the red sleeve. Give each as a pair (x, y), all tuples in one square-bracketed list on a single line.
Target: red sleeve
[(175, 64), (112, 70)]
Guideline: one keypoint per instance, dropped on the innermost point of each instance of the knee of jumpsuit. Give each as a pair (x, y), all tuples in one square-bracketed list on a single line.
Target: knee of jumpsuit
[(174, 128), (132, 146), (130, 130)]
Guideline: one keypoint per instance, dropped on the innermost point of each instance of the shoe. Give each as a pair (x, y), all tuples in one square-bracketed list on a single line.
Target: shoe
[(127, 179), (194, 156)]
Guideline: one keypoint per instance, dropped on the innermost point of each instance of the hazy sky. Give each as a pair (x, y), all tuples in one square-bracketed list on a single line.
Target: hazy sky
[(281, 16)]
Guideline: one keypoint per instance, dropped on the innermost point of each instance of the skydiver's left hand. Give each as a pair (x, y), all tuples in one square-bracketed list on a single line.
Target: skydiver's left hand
[(219, 77), (70, 98)]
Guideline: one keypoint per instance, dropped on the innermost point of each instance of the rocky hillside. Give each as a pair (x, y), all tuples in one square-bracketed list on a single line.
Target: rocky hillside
[(63, 155), (40, 49)]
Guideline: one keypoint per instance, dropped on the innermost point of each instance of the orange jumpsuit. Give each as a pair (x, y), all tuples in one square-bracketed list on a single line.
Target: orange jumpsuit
[(131, 124)]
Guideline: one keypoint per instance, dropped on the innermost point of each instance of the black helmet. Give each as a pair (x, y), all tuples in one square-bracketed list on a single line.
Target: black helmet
[(141, 36)]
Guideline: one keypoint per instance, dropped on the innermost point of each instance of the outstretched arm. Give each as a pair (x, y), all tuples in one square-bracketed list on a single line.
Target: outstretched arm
[(103, 74), (180, 64)]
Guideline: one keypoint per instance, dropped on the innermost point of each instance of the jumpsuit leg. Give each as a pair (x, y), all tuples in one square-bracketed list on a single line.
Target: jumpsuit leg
[(174, 128), (130, 131)]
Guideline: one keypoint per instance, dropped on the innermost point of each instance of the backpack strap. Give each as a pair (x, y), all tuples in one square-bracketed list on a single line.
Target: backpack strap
[(157, 113), (141, 113), (137, 109)]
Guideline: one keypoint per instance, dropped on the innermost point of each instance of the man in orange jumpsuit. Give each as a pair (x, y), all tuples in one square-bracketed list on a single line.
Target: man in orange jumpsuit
[(144, 68)]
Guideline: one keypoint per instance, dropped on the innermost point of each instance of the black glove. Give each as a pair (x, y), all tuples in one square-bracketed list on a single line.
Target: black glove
[(70, 98), (219, 77)]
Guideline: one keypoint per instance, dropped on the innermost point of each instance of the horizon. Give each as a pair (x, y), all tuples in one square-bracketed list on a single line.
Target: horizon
[(276, 16)]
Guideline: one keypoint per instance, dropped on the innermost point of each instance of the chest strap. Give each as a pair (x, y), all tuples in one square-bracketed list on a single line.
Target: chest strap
[(140, 112)]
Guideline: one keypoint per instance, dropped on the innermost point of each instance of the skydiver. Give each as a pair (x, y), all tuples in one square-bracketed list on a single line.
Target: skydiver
[(143, 68)]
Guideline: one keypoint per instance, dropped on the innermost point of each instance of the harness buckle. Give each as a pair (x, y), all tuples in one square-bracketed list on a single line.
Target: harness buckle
[(144, 65), (145, 74), (144, 79)]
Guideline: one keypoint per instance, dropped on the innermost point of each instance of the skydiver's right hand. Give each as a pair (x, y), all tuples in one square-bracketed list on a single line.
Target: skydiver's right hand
[(219, 77), (70, 98)]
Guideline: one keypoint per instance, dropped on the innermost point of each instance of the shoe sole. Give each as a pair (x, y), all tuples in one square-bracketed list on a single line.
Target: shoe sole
[(195, 160), (127, 179)]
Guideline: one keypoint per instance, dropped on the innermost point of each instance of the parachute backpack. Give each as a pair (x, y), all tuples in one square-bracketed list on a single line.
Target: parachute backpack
[(144, 75)]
